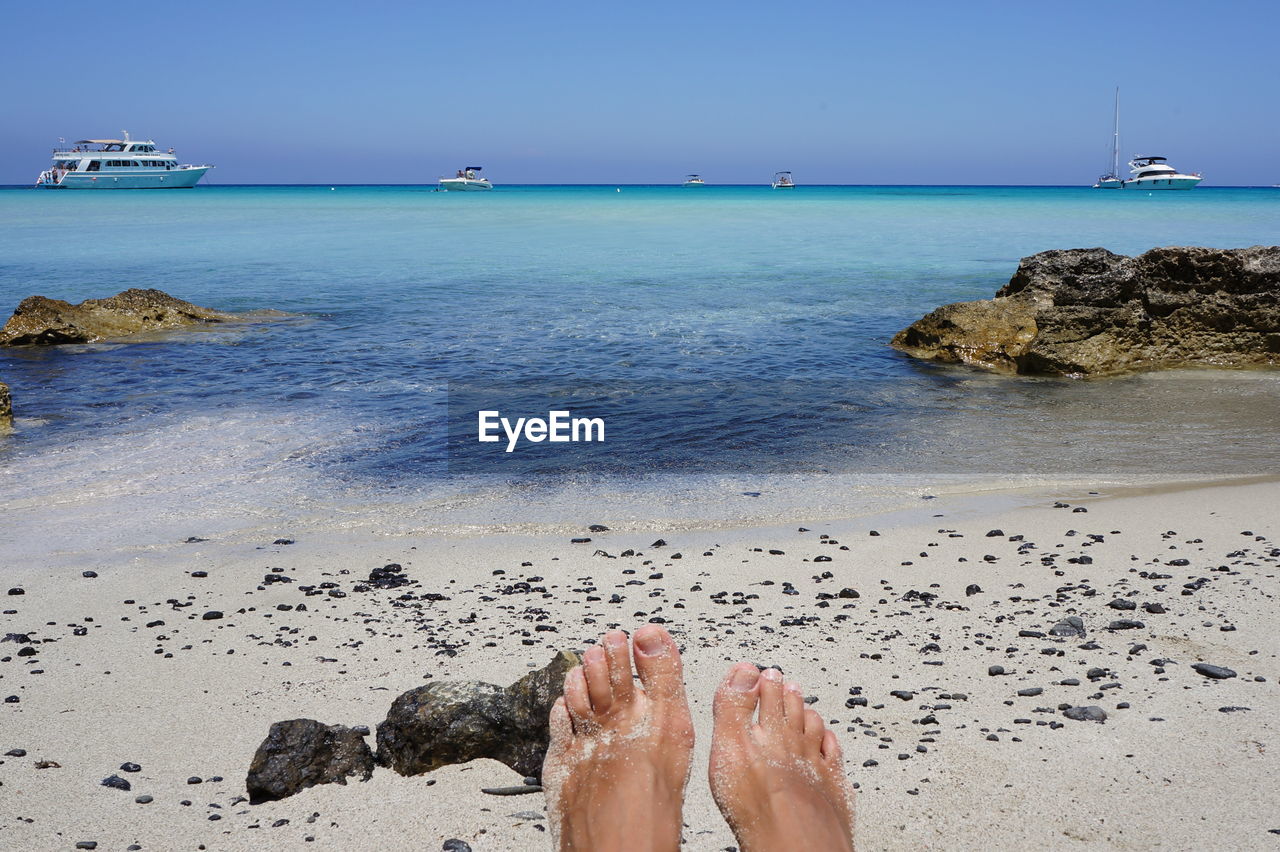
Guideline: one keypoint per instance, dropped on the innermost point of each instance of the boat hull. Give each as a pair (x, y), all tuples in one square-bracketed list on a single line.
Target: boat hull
[(1174, 182), (1114, 183), (170, 179), (465, 185)]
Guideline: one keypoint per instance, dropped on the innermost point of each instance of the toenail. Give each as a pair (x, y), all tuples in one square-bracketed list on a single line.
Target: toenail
[(594, 654), (650, 643), (744, 678), (793, 687), (771, 674), (615, 639)]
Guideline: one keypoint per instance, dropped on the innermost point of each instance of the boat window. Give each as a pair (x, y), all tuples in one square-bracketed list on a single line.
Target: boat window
[(93, 165)]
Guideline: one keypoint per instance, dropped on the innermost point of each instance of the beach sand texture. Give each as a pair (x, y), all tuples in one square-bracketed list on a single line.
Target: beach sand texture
[(116, 673)]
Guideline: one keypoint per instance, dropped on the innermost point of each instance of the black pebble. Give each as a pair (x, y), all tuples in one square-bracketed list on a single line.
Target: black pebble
[(453, 844), (1213, 672), (130, 767), (116, 782), (211, 615), (88, 574)]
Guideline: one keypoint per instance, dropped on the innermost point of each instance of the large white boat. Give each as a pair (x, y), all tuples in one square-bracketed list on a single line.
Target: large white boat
[(118, 164), (1156, 173), (783, 180), (467, 179), (694, 180)]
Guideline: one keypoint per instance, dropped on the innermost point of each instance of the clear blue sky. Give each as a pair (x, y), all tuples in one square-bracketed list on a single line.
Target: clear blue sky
[(546, 92)]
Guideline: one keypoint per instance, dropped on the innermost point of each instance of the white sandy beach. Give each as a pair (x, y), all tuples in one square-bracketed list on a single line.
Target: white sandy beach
[(194, 697)]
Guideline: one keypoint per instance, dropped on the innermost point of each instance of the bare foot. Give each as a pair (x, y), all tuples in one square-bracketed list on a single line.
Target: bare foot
[(779, 780), (619, 755)]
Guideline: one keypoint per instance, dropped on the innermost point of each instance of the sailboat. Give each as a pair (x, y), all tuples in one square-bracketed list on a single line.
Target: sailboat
[(1112, 179)]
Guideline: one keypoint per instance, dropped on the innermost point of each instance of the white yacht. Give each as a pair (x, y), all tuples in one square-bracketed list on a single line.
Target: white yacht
[(118, 164), (694, 180), (467, 179), (783, 180), (1156, 173)]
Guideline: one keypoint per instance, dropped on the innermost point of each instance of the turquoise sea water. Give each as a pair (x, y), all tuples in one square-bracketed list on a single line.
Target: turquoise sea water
[(728, 331)]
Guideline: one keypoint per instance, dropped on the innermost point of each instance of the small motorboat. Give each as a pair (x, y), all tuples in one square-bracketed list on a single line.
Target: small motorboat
[(783, 180), (468, 180)]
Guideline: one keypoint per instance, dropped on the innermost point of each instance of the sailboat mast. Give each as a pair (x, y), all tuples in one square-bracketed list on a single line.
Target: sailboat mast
[(1115, 139)]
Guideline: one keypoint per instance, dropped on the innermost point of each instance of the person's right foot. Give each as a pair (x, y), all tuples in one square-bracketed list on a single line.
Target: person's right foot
[(779, 778)]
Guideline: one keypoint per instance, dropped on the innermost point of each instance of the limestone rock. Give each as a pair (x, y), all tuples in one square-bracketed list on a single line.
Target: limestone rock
[(6, 407), (1089, 312), (302, 753), (41, 321), (455, 722)]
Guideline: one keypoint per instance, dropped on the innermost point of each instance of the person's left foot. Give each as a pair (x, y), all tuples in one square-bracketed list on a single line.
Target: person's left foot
[(619, 756)]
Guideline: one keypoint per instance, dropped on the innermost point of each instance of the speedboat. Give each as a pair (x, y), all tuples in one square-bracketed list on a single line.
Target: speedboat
[(1156, 173), (694, 180), (118, 164), (782, 180), (467, 179)]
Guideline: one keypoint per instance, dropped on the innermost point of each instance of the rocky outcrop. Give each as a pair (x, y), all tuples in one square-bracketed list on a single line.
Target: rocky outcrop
[(6, 407), (302, 753), (39, 321), (454, 722), (1089, 312)]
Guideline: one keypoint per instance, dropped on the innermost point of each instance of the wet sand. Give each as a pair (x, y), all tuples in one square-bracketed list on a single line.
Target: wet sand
[(125, 668)]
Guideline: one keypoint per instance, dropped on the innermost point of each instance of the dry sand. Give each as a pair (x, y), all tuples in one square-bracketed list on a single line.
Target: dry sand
[(989, 770)]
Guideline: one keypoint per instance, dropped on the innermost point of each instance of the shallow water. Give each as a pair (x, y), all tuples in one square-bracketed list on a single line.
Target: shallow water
[(727, 335)]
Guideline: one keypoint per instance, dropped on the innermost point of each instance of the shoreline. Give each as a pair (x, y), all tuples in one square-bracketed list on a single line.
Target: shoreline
[(1129, 782)]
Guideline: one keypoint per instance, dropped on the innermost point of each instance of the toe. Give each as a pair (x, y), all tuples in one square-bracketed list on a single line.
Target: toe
[(736, 699), (831, 749), (814, 730), (576, 699), (658, 663), (793, 706), (619, 658), (595, 667), (561, 726), (772, 715)]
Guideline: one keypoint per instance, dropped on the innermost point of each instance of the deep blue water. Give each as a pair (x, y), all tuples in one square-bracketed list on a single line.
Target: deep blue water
[(732, 329)]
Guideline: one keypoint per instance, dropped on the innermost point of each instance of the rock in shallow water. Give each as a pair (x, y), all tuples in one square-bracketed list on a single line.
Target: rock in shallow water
[(455, 722), (302, 753), (6, 407), (38, 321), (1083, 312)]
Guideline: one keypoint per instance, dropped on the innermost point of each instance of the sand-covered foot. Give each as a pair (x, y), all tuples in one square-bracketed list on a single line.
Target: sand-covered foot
[(619, 757), (777, 772)]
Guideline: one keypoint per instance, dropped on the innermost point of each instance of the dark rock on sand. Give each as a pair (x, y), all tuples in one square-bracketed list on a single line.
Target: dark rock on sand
[(302, 753), (1213, 672), (1072, 625), (40, 322), (1086, 714), (116, 782), (455, 845), (1088, 312), (458, 721)]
